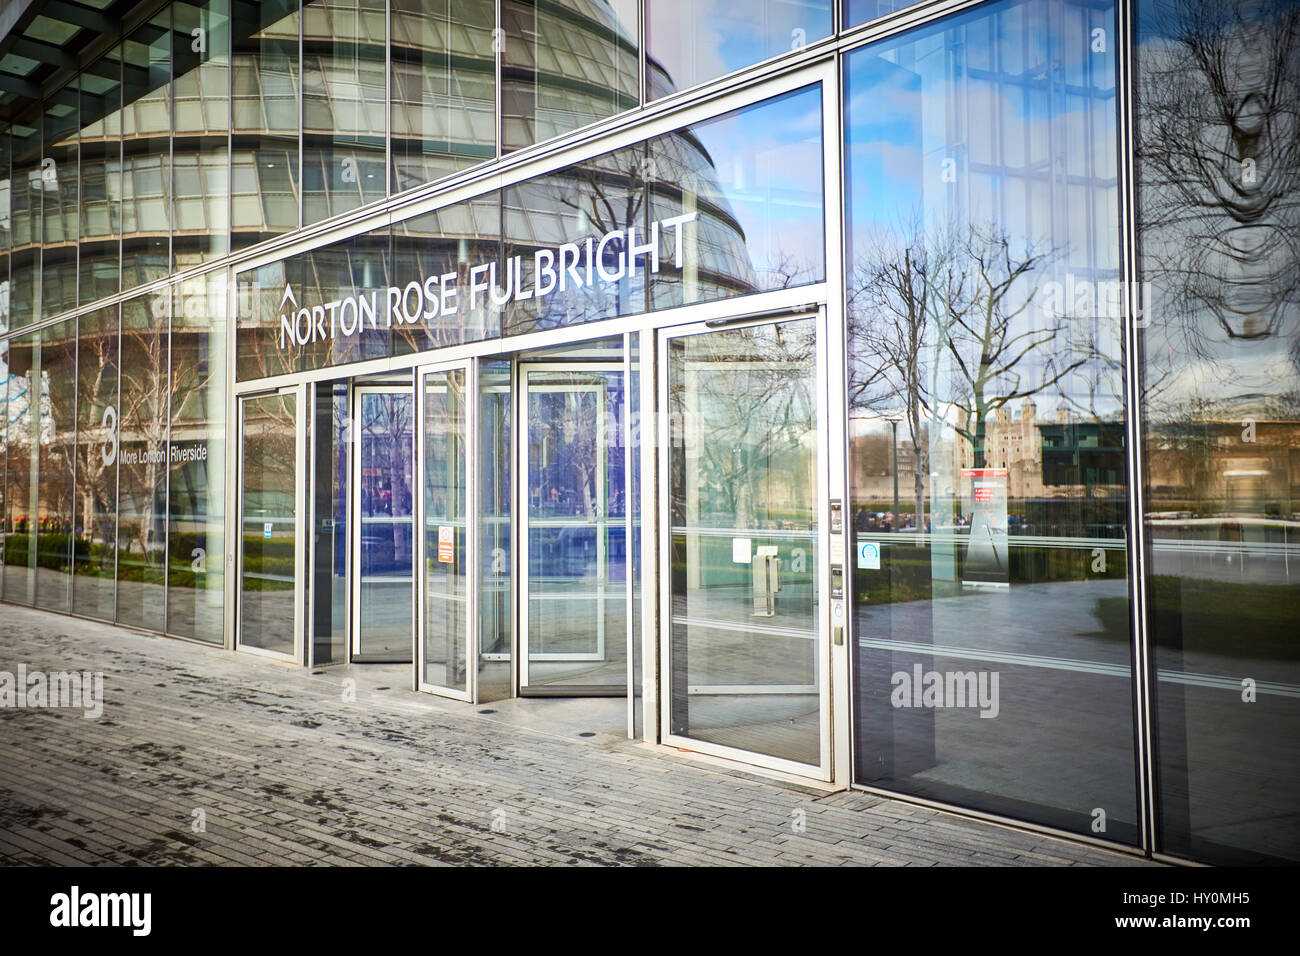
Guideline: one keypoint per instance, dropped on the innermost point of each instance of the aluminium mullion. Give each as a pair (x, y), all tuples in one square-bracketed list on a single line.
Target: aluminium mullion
[(1141, 652), (628, 531)]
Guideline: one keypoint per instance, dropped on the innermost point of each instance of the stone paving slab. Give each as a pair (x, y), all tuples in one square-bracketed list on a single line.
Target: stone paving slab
[(286, 771)]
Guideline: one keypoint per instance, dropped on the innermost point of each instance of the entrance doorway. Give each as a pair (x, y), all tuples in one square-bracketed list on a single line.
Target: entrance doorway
[(384, 542), (744, 644), (574, 556), (448, 589), (269, 599)]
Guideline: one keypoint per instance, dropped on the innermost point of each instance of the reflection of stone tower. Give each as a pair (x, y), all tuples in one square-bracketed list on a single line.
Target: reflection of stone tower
[(1013, 442)]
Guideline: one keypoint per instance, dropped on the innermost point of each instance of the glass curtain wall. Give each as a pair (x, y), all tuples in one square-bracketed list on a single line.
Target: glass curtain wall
[(146, 151), (95, 546), (201, 131), (196, 459), (987, 421), (688, 43), (1218, 161), (99, 254), (142, 461), (264, 129), (343, 90), (565, 64), (443, 109), (183, 143), (59, 175)]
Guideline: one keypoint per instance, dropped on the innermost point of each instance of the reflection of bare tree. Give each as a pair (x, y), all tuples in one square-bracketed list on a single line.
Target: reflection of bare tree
[(1219, 154), (990, 332), (386, 430), (943, 318), (143, 451), (97, 350), (889, 308), (747, 417)]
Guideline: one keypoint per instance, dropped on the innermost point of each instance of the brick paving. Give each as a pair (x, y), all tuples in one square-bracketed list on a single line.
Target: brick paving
[(287, 771)]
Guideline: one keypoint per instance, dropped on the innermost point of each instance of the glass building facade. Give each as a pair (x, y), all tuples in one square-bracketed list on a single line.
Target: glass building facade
[(900, 396)]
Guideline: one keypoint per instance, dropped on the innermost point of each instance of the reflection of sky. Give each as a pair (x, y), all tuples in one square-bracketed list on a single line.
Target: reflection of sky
[(697, 40), (767, 160), (974, 90)]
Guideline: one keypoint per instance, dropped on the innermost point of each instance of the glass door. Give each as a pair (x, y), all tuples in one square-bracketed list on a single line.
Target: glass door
[(270, 598), (742, 453), (447, 547), (383, 502), (573, 616)]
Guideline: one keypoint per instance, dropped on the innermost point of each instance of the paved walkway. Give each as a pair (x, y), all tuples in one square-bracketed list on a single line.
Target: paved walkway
[(279, 768)]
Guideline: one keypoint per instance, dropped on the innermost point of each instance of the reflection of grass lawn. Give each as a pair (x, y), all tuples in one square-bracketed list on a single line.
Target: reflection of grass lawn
[(906, 571), (1219, 617)]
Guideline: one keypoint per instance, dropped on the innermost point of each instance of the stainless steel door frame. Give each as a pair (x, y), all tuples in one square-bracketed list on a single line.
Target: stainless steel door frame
[(823, 770), (356, 398), (524, 523), (300, 530), (471, 531)]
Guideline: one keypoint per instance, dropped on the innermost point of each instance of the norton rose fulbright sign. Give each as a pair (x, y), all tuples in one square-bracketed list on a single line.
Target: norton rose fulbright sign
[(438, 295)]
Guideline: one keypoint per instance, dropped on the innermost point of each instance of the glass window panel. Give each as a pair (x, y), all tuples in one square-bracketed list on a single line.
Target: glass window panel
[(496, 606), (22, 439), (743, 416), (6, 242), (265, 121), (4, 454), (26, 199), (688, 43), (146, 152), (346, 285), (268, 563), (99, 251), (95, 555), (201, 150), (752, 181), (59, 201), (56, 435), (263, 295), (342, 105), (860, 11), (443, 88), (987, 458), (579, 205), (331, 445), (565, 64), (446, 522), (196, 485), (1218, 152), (461, 244), (142, 461)]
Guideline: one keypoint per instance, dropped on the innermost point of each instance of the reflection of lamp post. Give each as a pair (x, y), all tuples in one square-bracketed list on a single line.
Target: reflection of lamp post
[(893, 428)]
